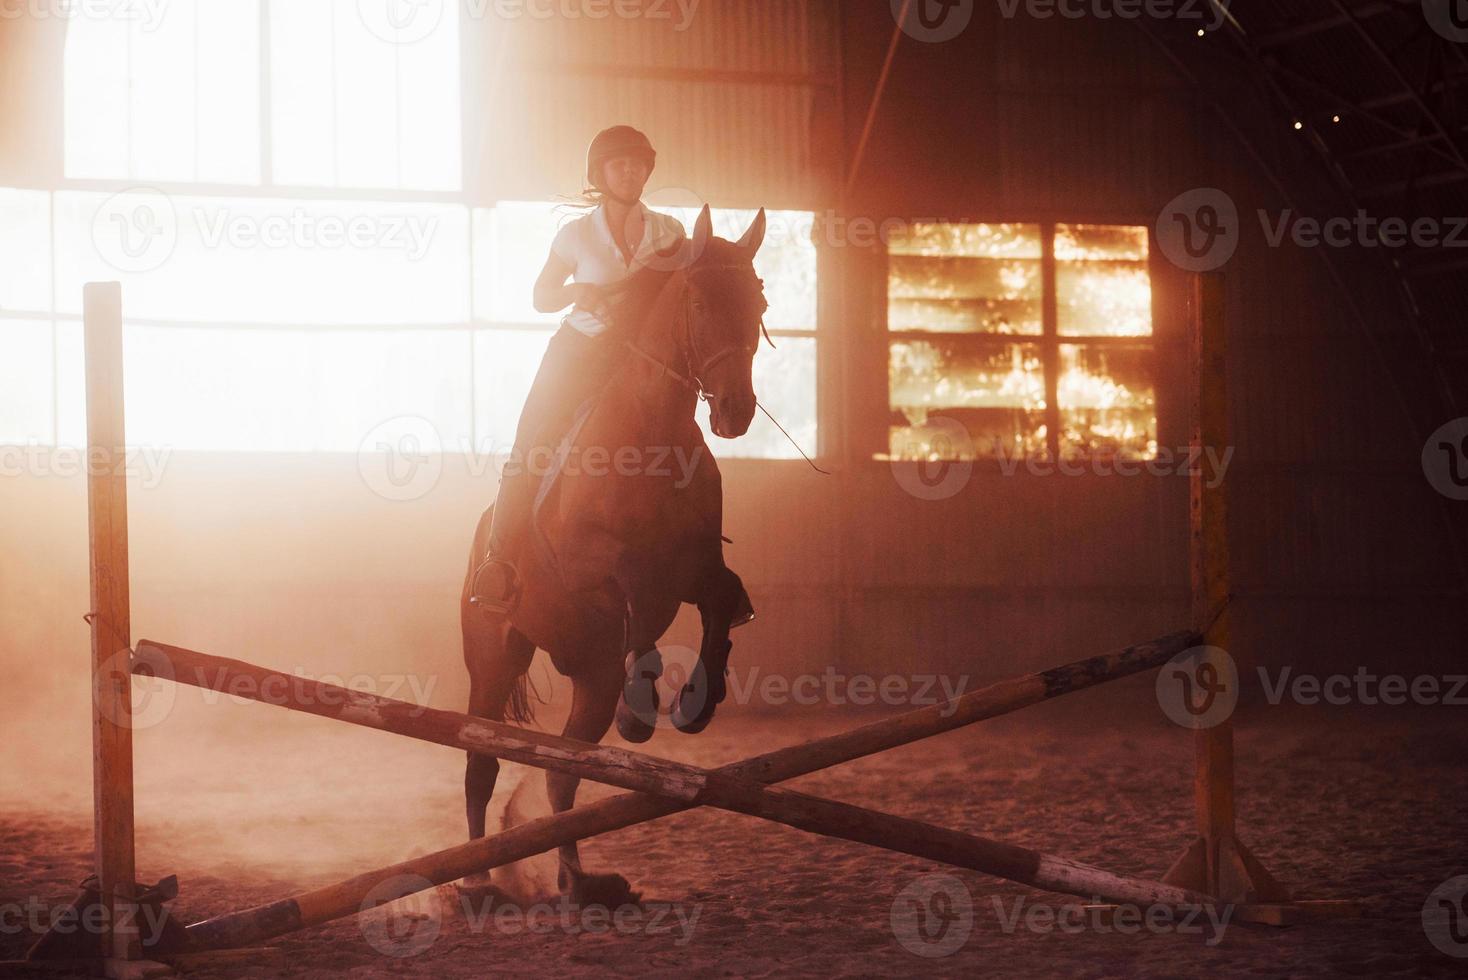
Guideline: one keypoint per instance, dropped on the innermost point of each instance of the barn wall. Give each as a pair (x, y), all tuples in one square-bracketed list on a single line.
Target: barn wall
[(1340, 552)]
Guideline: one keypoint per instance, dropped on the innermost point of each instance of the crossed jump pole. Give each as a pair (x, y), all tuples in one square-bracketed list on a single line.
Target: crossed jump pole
[(1215, 869)]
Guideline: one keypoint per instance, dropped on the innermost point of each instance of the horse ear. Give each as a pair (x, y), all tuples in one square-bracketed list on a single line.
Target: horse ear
[(750, 243), (703, 227)]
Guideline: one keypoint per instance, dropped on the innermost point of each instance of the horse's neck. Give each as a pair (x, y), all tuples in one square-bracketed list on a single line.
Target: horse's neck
[(659, 332), (659, 337)]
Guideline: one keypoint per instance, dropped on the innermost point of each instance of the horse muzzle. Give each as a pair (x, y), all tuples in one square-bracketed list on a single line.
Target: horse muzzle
[(730, 415)]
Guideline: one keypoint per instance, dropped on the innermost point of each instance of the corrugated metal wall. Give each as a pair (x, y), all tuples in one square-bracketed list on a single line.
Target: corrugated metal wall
[(738, 101)]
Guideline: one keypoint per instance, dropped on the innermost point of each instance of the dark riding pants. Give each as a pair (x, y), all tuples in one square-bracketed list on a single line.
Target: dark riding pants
[(575, 367)]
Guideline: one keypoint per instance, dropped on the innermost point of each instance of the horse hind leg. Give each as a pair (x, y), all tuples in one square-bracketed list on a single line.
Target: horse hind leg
[(593, 702), (498, 657)]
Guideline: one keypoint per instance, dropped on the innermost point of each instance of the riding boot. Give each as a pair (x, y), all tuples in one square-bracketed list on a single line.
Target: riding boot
[(496, 581)]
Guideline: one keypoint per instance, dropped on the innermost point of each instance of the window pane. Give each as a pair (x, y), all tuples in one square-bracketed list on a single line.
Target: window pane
[(170, 93), (303, 137), (265, 260), (429, 120), (216, 388), (27, 382), (996, 392), (362, 378), (785, 384), (511, 243), (965, 279), (290, 390), (25, 250), (1108, 405), (358, 103), (229, 92), (504, 365), (1102, 281), (96, 97), (365, 105)]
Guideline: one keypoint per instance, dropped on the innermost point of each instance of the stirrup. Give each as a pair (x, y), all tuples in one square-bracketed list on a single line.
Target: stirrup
[(743, 612), (501, 605)]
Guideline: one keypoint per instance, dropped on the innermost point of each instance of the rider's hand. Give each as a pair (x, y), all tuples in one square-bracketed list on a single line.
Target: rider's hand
[(586, 295)]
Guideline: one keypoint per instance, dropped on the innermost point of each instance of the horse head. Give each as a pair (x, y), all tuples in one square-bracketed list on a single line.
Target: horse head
[(726, 305)]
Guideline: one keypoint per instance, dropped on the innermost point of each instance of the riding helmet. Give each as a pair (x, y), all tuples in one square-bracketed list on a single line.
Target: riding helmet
[(616, 141)]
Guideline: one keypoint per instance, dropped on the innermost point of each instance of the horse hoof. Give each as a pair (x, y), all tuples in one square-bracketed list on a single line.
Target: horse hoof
[(634, 726), (609, 890), (693, 707), (479, 888), (637, 711)]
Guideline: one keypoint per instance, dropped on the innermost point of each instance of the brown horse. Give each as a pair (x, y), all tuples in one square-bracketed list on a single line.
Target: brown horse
[(624, 537)]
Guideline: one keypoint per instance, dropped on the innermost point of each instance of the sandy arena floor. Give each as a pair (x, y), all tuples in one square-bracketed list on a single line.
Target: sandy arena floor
[(1341, 804)]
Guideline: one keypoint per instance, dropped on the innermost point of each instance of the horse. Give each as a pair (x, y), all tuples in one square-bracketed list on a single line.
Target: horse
[(615, 549)]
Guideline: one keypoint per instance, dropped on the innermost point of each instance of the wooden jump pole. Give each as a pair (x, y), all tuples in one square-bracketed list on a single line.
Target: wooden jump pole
[(1216, 862), (346, 898), (112, 746)]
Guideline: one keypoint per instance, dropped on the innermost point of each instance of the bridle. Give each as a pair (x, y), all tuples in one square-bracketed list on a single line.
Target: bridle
[(696, 367)]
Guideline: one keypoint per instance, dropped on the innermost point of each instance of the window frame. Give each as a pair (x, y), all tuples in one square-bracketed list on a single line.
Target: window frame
[(268, 185), (1049, 340)]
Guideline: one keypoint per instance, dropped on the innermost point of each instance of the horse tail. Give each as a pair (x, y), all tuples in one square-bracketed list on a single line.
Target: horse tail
[(520, 705), (520, 710)]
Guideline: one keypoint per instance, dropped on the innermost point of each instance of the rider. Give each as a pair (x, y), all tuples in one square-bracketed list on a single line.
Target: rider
[(595, 250)]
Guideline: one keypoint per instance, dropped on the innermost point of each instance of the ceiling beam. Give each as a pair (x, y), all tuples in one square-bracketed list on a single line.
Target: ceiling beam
[(1288, 34)]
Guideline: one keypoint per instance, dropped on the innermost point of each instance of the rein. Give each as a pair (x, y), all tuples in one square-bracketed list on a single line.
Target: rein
[(696, 366), (693, 379)]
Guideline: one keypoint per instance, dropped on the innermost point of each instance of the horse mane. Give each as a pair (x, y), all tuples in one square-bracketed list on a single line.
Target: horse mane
[(638, 292)]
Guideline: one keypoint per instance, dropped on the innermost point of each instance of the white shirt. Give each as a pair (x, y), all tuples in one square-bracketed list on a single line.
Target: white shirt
[(586, 244)]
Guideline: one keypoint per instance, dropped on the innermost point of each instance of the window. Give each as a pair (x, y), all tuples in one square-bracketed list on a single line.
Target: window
[(171, 94), (262, 317), (174, 95), (1037, 339)]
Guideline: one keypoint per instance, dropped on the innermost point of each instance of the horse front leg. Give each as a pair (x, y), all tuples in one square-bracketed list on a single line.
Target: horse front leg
[(593, 701), (723, 604)]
